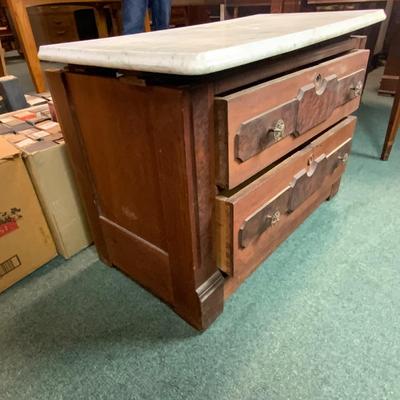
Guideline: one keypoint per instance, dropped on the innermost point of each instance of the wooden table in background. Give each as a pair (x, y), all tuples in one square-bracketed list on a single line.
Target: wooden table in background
[(19, 14)]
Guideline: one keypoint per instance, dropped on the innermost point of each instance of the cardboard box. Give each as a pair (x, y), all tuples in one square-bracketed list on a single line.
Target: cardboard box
[(34, 100), (51, 174), (25, 240)]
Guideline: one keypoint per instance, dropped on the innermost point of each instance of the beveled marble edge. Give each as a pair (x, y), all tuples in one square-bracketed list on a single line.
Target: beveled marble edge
[(209, 61)]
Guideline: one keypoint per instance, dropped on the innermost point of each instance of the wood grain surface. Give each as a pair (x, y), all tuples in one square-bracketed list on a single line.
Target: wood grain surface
[(307, 102), (260, 211)]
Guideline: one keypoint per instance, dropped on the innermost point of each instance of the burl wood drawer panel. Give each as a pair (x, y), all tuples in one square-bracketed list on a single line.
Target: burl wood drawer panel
[(259, 125), (252, 222)]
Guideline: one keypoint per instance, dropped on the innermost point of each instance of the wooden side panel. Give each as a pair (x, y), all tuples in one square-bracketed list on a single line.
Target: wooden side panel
[(149, 158), (149, 264), (324, 94), (71, 132), (270, 204), (115, 134)]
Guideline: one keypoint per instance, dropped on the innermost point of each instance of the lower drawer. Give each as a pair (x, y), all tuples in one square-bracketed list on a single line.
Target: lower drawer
[(252, 222)]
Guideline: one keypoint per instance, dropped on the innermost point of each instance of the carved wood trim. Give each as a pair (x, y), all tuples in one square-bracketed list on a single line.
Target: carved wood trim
[(304, 184), (314, 104)]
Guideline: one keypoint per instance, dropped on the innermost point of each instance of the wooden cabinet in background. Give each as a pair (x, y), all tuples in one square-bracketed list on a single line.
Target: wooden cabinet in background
[(62, 23), (391, 73), (7, 36)]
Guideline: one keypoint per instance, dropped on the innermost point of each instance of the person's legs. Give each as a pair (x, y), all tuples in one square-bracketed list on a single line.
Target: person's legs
[(133, 13), (161, 12)]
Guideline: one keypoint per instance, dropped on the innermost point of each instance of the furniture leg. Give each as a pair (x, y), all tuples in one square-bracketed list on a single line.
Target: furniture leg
[(3, 70), (235, 12), (334, 190), (147, 26), (393, 126), (23, 27)]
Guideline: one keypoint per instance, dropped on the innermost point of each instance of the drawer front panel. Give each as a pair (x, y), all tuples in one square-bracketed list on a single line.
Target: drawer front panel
[(251, 219), (304, 184), (259, 125), (61, 22)]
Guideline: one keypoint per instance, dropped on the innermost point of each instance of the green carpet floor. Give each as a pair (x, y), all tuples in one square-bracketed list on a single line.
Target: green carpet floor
[(319, 320)]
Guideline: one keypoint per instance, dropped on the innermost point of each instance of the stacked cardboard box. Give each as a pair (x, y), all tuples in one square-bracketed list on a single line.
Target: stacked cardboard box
[(25, 240), (39, 138)]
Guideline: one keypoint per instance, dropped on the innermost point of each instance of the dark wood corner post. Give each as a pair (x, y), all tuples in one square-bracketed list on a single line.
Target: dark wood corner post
[(186, 157), (178, 124)]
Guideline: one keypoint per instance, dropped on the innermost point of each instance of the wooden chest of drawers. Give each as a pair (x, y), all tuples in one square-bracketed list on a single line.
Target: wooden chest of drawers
[(190, 182)]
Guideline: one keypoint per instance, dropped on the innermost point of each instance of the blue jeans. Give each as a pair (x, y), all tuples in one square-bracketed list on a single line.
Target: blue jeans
[(133, 13)]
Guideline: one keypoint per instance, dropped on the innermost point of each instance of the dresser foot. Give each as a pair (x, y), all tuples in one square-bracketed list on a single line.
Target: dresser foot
[(207, 304), (211, 298), (334, 190)]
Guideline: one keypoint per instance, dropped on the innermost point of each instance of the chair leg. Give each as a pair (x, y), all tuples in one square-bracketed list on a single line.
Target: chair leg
[(393, 126), (3, 70), (147, 18)]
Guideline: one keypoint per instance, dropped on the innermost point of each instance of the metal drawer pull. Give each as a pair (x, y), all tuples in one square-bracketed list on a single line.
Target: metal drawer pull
[(276, 216), (344, 158), (279, 130), (320, 84), (357, 90), (303, 185), (314, 103)]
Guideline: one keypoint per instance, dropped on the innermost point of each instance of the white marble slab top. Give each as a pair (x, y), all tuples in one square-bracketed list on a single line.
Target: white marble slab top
[(207, 48)]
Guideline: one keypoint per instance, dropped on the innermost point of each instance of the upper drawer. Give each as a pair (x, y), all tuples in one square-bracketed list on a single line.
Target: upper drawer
[(252, 222), (259, 125)]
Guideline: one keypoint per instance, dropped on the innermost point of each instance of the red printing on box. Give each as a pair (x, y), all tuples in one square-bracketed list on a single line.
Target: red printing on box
[(8, 227)]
